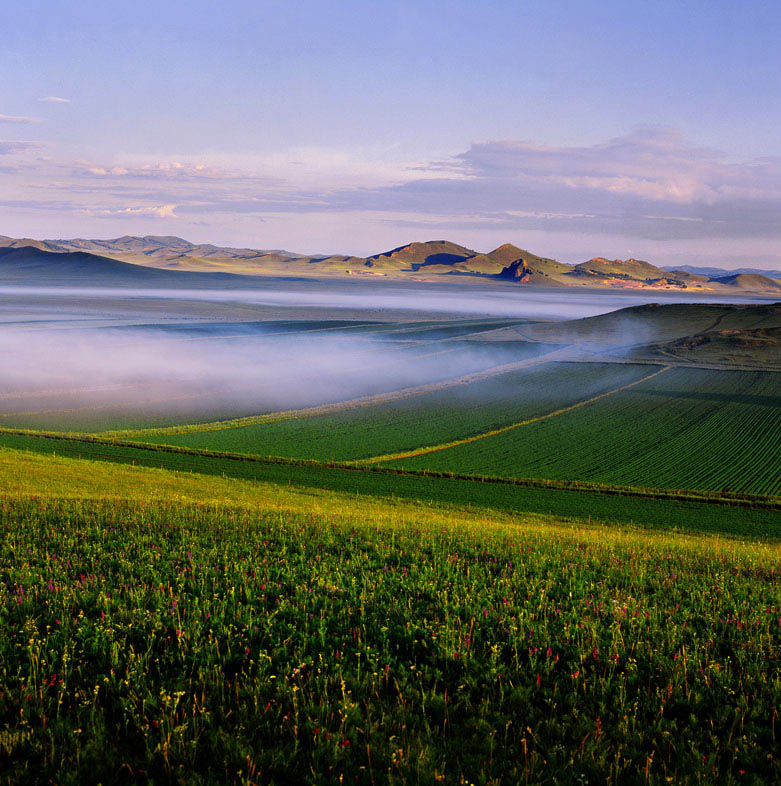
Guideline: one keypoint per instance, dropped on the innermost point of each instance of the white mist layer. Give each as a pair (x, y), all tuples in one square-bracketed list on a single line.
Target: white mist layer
[(66, 377), (491, 300)]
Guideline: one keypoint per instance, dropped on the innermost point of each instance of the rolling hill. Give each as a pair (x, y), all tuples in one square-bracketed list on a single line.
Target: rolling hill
[(750, 281), (413, 256), (426, 261), (31, 265), (630, 269)]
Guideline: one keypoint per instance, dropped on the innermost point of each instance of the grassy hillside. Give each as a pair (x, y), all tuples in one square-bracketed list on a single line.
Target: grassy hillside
[(635, 269), (733, 346), (413, 256), (638, 325), (292, 637)]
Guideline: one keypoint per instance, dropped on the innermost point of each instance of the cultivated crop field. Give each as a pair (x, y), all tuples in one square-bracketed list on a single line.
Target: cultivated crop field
[(684, 428), (440, 416)]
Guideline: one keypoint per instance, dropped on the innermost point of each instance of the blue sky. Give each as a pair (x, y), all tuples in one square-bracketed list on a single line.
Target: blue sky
[(571, 128)]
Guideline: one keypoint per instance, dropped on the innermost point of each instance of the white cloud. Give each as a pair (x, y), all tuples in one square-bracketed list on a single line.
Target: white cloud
[(55, 100), (147, 211), (649, 183), (18, 120)]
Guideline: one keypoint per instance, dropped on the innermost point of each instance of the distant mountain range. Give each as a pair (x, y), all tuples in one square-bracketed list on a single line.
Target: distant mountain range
[(163, 258), (717, 272)]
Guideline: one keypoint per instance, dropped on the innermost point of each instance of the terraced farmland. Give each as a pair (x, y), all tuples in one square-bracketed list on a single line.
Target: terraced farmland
[(421, 420), (685, 428)]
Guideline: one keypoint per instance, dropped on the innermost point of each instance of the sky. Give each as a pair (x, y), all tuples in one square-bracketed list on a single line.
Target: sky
[(573, 129)]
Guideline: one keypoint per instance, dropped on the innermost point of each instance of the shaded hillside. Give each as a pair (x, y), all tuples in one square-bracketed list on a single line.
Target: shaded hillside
[(750, 281), (30, 265), (28, 262)]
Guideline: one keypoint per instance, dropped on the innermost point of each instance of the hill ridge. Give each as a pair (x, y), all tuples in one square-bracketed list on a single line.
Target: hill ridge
[(418, 260)]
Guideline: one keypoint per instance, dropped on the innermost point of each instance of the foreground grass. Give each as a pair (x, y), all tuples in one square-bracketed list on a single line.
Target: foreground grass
[(312, 637)]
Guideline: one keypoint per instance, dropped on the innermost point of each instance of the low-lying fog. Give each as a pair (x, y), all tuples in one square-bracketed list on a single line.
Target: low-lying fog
[(387, 300), (80, 375), (106, 358)]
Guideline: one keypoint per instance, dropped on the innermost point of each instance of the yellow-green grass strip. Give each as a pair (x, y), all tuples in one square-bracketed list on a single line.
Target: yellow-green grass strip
[(25, 475)]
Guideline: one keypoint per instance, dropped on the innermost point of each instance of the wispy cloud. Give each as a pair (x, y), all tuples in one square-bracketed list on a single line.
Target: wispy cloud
[(650, 184), (146, 211), (13, 119), (9, 147), (55, 100)]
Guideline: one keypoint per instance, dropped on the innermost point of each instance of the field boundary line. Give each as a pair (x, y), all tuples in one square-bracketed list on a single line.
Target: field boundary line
[(494, 432), (739, 499)]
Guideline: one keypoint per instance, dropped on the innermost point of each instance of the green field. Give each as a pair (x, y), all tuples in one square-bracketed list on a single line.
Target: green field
[(293, 638), (685, 428), (420, 420), (651, 509)]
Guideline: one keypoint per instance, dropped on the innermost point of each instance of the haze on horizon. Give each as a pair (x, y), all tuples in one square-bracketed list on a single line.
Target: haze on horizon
[(574, 130)]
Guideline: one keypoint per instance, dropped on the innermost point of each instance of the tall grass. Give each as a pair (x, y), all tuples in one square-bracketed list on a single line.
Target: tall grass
[(200, 643)]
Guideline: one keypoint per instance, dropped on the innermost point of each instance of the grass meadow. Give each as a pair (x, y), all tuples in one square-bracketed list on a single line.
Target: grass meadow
[(166, 627)]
